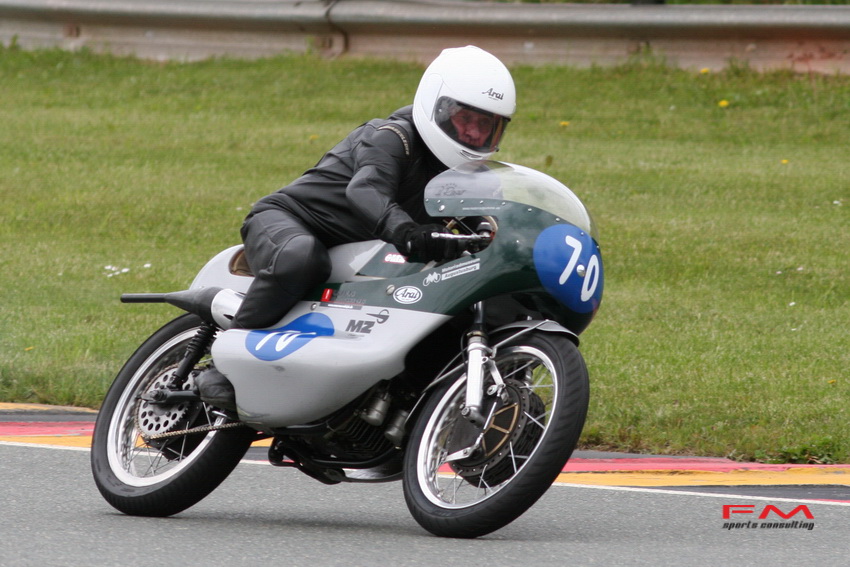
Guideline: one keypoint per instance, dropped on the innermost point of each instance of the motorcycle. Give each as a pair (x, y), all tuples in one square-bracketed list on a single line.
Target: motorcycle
[(463, 379)]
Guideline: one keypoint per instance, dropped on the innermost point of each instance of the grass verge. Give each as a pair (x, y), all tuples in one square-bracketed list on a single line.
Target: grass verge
[(723, 201)]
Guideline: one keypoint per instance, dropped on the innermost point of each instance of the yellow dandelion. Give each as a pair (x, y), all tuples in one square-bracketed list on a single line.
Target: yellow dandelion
[(564, 123), (313, 137), (705, 71), (784, 162), (723, 103)]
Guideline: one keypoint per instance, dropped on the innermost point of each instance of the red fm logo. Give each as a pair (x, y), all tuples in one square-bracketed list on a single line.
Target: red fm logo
[(729, 509)]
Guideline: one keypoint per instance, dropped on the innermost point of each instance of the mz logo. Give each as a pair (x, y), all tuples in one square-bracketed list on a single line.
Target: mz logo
[(364, 327)]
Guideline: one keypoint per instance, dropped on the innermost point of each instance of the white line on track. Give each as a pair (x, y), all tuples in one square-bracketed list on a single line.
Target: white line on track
[(557, 484), (706, 494)]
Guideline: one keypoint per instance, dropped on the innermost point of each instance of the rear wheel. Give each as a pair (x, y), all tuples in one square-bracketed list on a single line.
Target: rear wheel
[(533, 427), (144, 459)]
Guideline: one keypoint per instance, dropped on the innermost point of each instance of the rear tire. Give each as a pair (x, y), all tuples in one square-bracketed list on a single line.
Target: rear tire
[(526, 445), (162, 477)]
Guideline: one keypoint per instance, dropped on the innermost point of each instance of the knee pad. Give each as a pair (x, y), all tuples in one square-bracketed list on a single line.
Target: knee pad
[(301, 264)]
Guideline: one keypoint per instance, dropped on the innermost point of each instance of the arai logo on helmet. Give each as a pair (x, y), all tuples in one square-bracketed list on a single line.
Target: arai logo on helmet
[(407, 294), (493, 94)]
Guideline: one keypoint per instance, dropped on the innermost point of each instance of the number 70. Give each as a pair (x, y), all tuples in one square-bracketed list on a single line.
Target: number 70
[(591, 272)]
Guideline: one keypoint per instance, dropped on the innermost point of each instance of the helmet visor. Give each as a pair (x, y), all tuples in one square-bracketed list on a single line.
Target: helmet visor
[(473, 128)]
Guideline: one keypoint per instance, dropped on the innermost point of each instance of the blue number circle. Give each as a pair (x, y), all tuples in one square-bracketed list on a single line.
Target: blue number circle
[(569, 265)]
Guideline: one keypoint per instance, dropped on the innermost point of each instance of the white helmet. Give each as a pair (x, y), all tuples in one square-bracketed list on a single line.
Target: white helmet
[(464, 85)]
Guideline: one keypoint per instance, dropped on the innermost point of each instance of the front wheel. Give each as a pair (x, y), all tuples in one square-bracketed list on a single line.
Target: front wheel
[(142, 461), (533, 426)]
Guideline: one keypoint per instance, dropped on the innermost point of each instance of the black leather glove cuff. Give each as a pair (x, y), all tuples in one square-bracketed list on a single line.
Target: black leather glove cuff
[(402, 236), (416, 242)]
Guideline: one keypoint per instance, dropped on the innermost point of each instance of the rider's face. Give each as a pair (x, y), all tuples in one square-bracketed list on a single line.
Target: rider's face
[(472, 127)]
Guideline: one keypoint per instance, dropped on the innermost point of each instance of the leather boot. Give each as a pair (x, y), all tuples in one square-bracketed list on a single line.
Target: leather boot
[(215, 389)]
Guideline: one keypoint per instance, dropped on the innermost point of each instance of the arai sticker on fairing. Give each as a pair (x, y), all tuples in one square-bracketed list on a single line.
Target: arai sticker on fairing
[(569, 266), (407, 294), (274, 344)]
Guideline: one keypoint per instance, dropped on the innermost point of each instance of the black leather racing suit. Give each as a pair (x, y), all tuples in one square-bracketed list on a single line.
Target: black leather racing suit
[(364, 188)]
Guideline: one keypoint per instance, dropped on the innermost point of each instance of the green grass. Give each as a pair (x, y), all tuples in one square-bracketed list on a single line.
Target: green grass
[(724, 227)]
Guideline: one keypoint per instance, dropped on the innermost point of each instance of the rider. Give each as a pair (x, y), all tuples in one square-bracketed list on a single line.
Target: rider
[(370, 186)]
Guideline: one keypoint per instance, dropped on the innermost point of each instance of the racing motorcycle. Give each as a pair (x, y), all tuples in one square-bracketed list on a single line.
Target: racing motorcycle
[(463, 379)]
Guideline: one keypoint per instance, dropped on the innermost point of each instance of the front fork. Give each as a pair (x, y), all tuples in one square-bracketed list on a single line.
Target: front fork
[(479, 362)]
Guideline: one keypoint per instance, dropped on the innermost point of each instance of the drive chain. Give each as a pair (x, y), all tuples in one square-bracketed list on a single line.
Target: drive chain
[(193, 430)]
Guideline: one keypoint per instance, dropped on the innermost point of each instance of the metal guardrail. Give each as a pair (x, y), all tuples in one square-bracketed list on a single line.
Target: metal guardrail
[(800, 37)]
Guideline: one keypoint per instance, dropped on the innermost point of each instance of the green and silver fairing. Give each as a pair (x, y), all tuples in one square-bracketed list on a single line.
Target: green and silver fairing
[(545, 253)]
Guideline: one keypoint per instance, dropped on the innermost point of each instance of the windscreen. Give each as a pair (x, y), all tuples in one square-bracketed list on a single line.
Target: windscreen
[(484, 187)]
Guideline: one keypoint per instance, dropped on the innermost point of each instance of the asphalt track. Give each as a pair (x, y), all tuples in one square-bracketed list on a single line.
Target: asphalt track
[(31, 424)]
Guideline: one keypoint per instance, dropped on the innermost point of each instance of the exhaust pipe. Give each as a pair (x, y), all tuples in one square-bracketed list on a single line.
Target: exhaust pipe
[(212, 304)]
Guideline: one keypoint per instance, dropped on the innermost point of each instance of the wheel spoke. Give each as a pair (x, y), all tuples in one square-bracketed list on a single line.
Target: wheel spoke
[(180, 455), (517, 370), (482, 483), (456, 483), (512, 458), (536, 420)]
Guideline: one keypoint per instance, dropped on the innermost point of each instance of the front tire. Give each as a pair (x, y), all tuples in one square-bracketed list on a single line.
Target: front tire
[(534, 428), (141, 477)]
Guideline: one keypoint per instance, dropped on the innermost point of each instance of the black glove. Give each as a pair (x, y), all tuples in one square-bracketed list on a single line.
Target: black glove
[(415, 241)]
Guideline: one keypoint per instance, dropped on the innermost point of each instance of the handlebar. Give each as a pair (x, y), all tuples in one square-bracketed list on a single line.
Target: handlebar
[(460, 237)]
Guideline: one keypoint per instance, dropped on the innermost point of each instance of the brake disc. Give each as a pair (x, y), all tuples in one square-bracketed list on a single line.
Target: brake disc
[(513, 433)]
